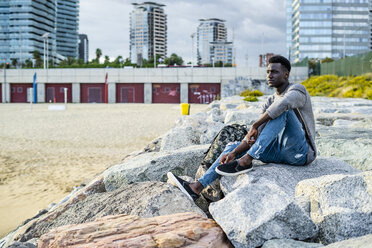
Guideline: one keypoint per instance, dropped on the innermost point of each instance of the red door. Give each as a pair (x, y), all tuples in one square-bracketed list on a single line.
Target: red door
[(20, 92), (203, 93), (166, 93), (92, 93), (56, 92), (129, 93)]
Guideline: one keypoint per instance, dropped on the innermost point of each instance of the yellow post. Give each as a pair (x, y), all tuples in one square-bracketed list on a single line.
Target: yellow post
[(185, 108)]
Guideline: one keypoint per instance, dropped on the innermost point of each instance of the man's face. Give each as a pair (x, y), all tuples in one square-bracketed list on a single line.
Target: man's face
[(277, 75)]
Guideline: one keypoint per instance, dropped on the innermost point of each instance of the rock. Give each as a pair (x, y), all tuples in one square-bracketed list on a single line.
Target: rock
[(145, 199), (286, 176), (179, 230), (289, 243), (215, 115), (341, 205), (211, 132), (353, 145), (262, 202), (243, 117), (154, 166), (259, 212), (22, 245), (360, 242), (179, 137)]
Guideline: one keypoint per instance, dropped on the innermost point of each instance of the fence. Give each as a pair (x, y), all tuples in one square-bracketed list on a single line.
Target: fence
[(355, 65)]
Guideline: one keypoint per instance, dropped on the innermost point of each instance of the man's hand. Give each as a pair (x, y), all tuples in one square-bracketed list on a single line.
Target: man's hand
[(252, 135), (227, 157)]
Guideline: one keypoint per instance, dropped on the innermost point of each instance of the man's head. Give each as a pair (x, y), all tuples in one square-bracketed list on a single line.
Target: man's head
[(278, 71)]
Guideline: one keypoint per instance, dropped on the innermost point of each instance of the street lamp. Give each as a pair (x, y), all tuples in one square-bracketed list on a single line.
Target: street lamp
[(192, 49), (45, 38)]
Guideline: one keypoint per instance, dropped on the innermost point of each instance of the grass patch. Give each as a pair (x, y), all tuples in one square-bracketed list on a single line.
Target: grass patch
[(250, 99), (334, 86), (251, 93)]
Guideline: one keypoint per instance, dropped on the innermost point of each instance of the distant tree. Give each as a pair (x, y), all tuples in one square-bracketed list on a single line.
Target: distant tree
[(327, 60), (37, 58), (98, 54), (28, 63), (174, 59), (14, 62), (107, 60)]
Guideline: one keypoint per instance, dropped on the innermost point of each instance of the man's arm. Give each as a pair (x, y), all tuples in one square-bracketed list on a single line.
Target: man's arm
[(253, 131), (248, 140)]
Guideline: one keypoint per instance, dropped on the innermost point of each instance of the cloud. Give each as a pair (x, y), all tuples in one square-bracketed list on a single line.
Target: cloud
[(107, 25)]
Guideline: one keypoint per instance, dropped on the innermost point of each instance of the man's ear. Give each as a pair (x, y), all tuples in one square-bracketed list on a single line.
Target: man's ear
[(286, 75)]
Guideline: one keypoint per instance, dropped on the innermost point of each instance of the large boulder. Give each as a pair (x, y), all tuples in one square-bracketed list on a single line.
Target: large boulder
[(341, 205), (256, 213), (178, 230), (179, 137), (289, 243), (244, 117), (360, 242), (353, 145), (145, 199), (154, 166), (262, 206), (287, 176)]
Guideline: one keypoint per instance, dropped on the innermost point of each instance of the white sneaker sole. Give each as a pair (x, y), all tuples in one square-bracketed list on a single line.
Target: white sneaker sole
[(176, 183), (232, 174)]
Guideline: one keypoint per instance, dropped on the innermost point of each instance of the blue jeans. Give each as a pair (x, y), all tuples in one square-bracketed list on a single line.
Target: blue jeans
[(281, 141)]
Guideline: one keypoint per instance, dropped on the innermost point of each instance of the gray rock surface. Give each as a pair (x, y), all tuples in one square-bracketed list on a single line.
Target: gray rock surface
[(154, 166), (243, 117), (179, 137), (145, 199), (341, 205), (256, 213), (360, 242), (289, 243), (286, 176)]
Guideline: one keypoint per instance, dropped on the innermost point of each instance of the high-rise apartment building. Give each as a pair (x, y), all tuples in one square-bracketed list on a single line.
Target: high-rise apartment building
[(329, 28), (212, 44), (67, 28), (24, 23), (148, 31), (84, 47)]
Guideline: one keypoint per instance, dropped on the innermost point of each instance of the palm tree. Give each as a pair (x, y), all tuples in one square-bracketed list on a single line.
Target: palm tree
[(98, 54)]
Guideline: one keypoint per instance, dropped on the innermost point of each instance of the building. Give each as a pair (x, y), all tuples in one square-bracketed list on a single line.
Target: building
[(288, 28), (329, 28), (67, 25), (24, 23), (83, 47), (212, 44), (264, 59), (148, 32)]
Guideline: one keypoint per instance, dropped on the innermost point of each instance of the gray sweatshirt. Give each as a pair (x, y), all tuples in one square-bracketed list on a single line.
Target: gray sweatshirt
[(295, 97)]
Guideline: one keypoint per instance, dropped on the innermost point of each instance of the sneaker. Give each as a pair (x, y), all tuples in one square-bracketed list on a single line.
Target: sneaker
[(232, 169), (183, 185)]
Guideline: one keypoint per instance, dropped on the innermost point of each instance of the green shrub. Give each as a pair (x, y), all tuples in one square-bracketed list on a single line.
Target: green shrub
[(251, 93), (250, 99), (334, 86)]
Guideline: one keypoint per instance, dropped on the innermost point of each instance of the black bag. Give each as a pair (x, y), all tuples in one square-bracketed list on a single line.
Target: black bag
[(229, 133)]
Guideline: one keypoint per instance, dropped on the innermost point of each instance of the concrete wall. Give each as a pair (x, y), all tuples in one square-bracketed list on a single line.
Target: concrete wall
[(140, 75)]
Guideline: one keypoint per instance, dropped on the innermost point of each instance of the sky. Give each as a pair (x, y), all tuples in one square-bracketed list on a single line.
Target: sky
[(255, 27)]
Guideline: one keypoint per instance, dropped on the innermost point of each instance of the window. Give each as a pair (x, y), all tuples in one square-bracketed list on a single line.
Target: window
[(19, 89)]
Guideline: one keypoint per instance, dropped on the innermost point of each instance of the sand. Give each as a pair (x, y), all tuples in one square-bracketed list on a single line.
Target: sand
[(45, 153)]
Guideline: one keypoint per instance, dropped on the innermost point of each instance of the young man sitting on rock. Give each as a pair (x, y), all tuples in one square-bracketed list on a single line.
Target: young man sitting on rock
[(284, 133)]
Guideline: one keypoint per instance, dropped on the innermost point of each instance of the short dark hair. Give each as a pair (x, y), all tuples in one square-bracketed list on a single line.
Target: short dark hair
[(282, 60)]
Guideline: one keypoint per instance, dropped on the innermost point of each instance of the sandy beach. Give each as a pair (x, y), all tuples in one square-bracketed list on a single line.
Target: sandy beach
[(44, 153)]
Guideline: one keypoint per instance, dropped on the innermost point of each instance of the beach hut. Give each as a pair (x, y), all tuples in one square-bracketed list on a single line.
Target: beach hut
[(203, 93), (129, 93), (20, 93), (56, 92), (92, 93), (166, 93)]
